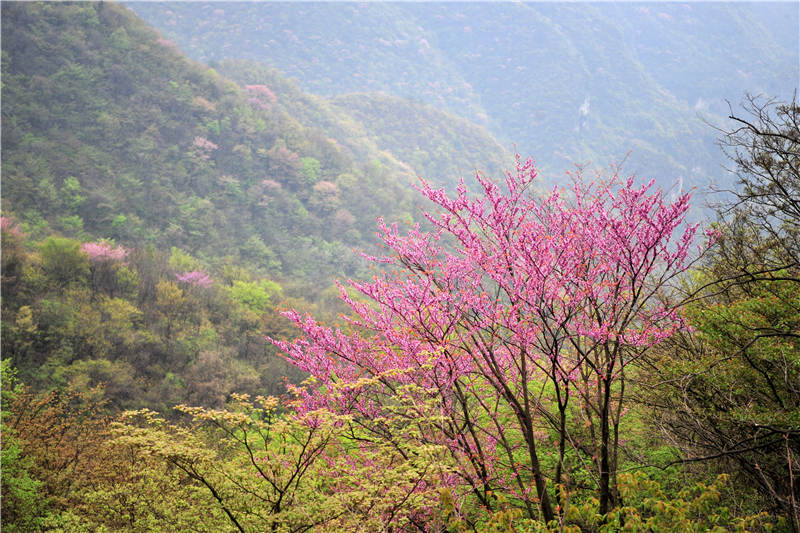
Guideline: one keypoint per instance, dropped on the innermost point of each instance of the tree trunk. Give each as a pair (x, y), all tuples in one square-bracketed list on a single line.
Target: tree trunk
[(605, 477)]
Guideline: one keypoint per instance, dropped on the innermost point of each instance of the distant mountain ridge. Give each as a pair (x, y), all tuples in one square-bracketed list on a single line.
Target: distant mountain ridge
[(565, 82)]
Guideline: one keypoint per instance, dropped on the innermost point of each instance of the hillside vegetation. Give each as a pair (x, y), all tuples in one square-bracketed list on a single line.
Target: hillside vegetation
[(565, 82), (109, 131), (111, 137), (437, 145)]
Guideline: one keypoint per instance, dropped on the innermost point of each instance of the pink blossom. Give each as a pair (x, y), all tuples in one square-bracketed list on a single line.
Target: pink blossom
[(261, 91), (9, 225), (259, 103), (271, 184), (261, 96), (284, 153), (195, 277), (326, 187), (104, 251), (204, 144)]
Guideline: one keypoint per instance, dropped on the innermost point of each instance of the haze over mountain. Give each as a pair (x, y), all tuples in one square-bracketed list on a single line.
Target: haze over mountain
[(564, 82)]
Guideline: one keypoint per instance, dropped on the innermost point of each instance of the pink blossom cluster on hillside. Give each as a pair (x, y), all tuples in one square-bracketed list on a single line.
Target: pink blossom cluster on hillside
[(195, 277), (205, 146), (9, 225), (103, 251), (261, 96)]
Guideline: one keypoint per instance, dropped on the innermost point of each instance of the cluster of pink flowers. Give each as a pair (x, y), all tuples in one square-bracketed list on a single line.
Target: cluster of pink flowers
[(165, 42), (9, 225), (195, 277), (286, 155), (326, 188), (258, 103), (261, 91), (204, 145), (261, 96), (103, 251), (271, 184)]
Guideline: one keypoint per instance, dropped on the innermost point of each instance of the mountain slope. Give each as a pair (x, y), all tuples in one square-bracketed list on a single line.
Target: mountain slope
[(109, 131), (437, 145), (565, 82)]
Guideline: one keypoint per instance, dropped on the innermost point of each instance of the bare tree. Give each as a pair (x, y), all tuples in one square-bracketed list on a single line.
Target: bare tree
[(764, 146)]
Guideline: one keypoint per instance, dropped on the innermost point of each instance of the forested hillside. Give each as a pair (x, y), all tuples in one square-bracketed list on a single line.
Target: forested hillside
[(109, 131), (137, 327), (111, 137), (563, 81), (438, 146)]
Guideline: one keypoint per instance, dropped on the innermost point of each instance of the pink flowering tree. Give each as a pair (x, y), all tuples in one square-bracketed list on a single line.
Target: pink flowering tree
[(203, 147), (197, 278), (516, 318), (103, 251), (107, 267), (261, 96), (9, 225)]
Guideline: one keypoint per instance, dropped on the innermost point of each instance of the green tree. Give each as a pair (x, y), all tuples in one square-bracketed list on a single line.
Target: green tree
[(728, 391), (71, 194), (63, 262), (311, 170), (24, 505), (255, 296)]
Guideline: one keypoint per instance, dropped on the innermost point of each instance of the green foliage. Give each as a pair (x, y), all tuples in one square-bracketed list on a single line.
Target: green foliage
[(283, 472), (127, 281), (726, 392), (234, 455), (43, 440), (183, 261), (256, 296), (76, 324), (311, 170), (440, 147), (697, 508), (733, 400), (71, 193), (23, 503), (120, 228), (260, 254), (72, 225), (63, 262), (251, 466)]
